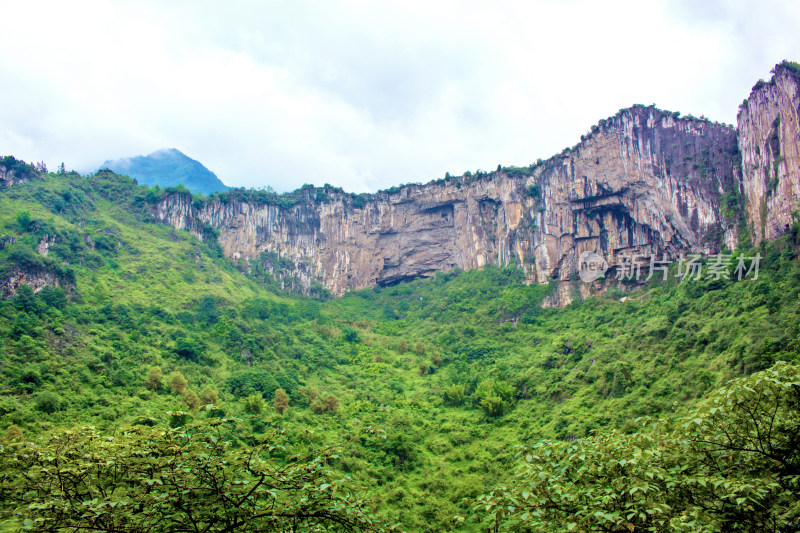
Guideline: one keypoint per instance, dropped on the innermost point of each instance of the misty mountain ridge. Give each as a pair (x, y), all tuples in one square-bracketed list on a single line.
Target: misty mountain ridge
[(168, 167)]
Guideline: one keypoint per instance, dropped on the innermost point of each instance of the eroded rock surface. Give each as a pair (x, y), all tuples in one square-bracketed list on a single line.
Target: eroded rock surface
[(769, 140), (643, 182)]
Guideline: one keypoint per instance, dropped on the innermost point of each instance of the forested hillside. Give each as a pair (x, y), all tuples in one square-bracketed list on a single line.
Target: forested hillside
[(426, 389), (168, 168)]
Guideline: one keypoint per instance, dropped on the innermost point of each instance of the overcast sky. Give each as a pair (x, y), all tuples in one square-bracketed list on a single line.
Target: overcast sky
[(364, 94)]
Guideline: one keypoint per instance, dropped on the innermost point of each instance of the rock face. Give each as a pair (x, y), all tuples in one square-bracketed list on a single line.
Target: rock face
[(14, 172), (769, 140), (643, 182), (37, 279)]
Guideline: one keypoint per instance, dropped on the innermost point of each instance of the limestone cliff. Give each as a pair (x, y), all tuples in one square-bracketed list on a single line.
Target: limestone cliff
[(642, 182), (769, 140)]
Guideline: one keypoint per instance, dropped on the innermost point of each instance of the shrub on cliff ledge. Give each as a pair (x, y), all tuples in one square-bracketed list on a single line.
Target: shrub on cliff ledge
[(792, 66)]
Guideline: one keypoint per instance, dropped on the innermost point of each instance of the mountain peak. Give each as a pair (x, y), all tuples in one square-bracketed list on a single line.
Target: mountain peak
[(168, 167)]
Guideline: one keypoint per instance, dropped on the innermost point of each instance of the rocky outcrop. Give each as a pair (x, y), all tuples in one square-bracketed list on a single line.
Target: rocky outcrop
[(13, 171), (28, 269), (769, 140), (643, 182), (35, 278)]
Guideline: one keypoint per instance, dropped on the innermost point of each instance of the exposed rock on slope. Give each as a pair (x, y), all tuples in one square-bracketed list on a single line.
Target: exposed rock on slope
[(644, 182), (13, 171), (769, 139)]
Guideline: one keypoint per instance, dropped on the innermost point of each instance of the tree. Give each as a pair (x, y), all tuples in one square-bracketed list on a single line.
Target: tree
[(24, 221), (307, 394), (492, 406), (254, 404), (494, 397), (49, 402), (317, 405), (154, 376), (209, 396), (13, 432), (281, 401), (455, 394), (190, 399), (188, 349), (732, 464), (26, 300), (351, 335), (177, 383), (322, 405), (163, 480), (331, 403), (253, 380)]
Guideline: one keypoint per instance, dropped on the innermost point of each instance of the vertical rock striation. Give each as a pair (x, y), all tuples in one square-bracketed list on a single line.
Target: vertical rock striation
[(769, 140), (642, 182)]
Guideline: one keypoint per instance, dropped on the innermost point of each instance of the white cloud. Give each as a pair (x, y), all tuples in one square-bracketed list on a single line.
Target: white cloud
[(360, 94)]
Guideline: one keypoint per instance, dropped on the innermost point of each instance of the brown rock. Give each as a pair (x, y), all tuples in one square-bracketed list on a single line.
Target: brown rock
[(769, 140), (644, 182)]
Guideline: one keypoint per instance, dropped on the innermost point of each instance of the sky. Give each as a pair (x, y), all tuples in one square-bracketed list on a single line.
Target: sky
[(365, 95)]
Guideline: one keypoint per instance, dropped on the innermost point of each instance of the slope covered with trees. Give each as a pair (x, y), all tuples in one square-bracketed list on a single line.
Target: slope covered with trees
[(426, 389)]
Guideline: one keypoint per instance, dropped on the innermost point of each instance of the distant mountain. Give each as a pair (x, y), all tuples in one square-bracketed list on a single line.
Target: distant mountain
[(168, 168)]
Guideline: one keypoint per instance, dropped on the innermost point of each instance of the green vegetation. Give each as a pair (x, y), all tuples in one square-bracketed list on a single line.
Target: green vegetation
[(792, 66), (425, 389), (265, 196), (195, 478), (168, 168), (732, 464), (20, 169)]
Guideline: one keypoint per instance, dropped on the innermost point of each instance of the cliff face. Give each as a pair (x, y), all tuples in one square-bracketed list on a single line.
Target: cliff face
[(647, 183), (769, 139), (643, 182)]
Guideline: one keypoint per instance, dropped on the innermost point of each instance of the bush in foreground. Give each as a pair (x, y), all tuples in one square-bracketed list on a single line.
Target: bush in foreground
[(162, 479), (732, 465)]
